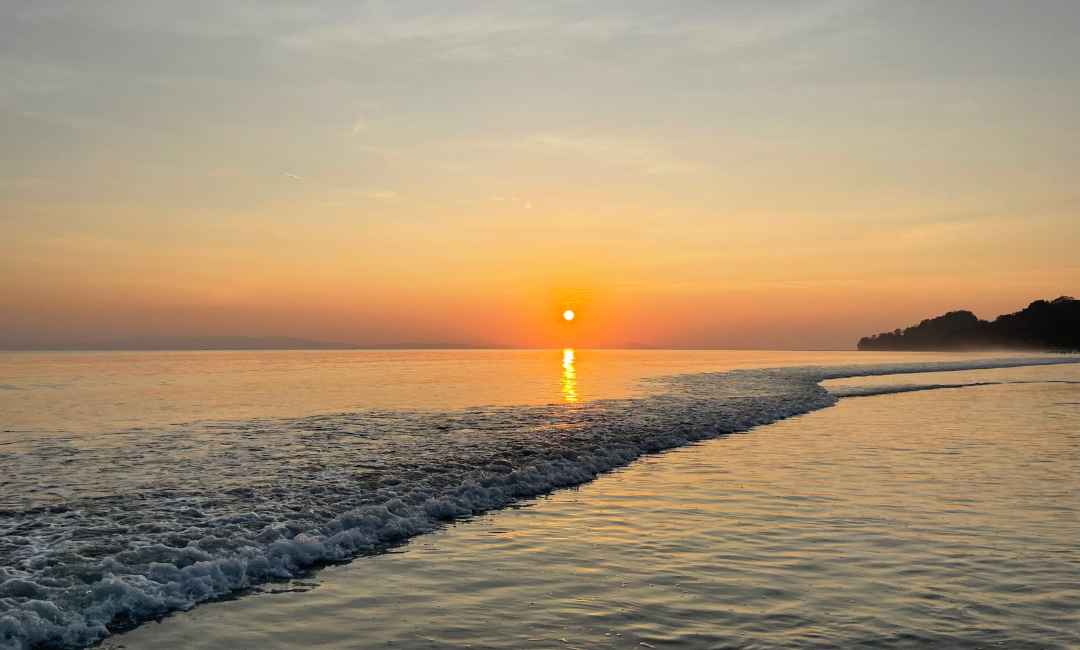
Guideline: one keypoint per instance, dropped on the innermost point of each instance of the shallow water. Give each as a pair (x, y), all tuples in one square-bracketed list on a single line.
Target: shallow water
[(107, 527), (942, 518)]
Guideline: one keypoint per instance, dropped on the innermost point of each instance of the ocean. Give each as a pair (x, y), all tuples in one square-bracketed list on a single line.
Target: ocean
[(452, 498)]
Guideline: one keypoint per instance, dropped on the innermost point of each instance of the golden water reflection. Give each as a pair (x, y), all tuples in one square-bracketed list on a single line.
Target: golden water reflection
[(569, 376)]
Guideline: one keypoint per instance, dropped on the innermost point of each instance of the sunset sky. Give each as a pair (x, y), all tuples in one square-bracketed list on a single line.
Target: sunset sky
[(744, 174)]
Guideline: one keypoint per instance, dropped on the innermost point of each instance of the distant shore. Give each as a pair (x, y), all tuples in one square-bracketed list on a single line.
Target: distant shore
[(1045, 326)]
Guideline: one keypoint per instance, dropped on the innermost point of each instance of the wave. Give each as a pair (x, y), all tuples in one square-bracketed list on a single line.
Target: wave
[(872, 391), (98, 539), (892, 389)]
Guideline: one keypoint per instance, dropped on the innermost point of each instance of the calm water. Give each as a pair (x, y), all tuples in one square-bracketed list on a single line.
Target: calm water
[(133, 485), (92, 393)]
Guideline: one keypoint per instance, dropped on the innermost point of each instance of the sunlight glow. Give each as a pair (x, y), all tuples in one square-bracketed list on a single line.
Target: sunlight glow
[(568, 315)]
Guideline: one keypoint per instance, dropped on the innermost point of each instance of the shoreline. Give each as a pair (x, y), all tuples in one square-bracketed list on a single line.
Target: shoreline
[(336, 591), (369, 528)]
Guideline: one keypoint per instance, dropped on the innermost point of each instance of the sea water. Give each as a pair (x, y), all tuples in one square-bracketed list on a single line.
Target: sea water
[(135, 485)]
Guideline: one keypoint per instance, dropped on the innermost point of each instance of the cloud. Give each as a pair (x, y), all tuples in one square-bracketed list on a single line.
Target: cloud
[(644, 156), (514, 200), (345, 197), (492, 31), (359, 125)]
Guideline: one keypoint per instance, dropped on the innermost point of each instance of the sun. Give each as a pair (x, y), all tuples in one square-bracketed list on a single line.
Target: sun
[(568, 315)]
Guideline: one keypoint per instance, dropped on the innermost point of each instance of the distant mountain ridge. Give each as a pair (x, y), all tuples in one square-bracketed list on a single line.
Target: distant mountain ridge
[(1042, 325)]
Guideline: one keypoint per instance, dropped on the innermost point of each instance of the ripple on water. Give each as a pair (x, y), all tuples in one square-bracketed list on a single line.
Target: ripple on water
[(834, 529), (155, 522)]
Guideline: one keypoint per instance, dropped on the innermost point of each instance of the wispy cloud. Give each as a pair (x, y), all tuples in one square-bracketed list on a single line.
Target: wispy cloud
[(494, 30), (641, 155), (512, 200), (359, 125), (381, 195), (344, 197)]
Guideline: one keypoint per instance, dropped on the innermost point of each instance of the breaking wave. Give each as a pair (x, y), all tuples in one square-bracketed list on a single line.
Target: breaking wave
[(98, 538)]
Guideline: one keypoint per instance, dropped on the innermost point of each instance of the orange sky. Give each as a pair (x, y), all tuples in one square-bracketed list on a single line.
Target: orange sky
[(791, 174)]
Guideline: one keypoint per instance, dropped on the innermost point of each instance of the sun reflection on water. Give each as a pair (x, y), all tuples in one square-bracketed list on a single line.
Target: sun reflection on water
[(569, 376)]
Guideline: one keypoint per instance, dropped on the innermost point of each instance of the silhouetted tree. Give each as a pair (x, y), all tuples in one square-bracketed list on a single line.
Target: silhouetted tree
[(1042, 325)]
